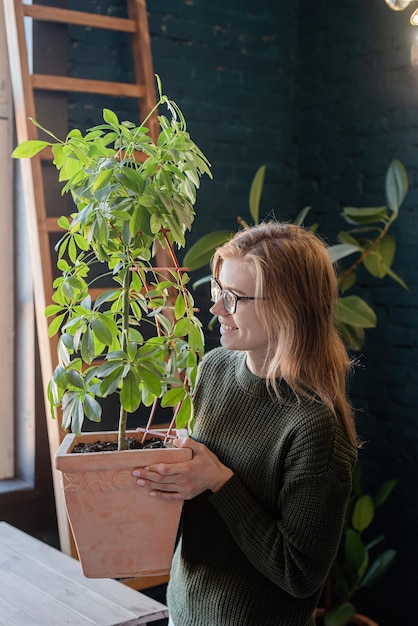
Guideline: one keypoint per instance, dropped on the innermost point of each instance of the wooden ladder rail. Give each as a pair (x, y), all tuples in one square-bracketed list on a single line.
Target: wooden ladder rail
[(38, 223)]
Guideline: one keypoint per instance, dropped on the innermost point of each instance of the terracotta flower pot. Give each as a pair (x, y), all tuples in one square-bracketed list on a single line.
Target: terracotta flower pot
[(357, 620), (119, 530)]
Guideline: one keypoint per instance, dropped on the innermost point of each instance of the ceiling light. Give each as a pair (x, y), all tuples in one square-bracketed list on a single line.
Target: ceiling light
[(398, 5), (401, 5)]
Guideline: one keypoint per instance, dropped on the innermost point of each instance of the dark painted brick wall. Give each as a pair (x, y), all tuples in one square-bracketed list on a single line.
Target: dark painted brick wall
[(227, 65), (358, 99), (323, 93)]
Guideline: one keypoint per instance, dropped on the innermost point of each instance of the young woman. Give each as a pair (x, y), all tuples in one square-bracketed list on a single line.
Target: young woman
[(274, 442)]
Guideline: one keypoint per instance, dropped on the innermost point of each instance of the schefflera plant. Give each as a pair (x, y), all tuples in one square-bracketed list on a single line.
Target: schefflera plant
[(140, 337)]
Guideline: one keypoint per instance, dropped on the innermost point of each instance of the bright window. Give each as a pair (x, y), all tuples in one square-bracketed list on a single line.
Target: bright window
[(7, 468), (17, 337)]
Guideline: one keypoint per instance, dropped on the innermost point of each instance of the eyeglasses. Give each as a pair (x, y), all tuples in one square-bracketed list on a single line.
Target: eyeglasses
[(230, 298)]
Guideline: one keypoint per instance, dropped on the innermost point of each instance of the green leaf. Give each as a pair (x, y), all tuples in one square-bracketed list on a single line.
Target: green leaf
[(196, 338), (106, 296), (92, 409), (102, 179), (384, 492), (355, 552), (340, 616), (363, 513), (355, 311), (101, 331), (55, 325), (255, 193), (74, 378), (397, 279), (300, 218), (110, 117), (353, 336), (107, 368), (183, 327), (147, 200), (173, 396), (185, 412), (348, 281), (341, 250), (87, 346), (180, 306), (378, 568), (73, 412), (365, 215), (201, 252), (132, 179), (155, 223), (151, 379), (396, 185), (77, 416), (381, 257), (111, 382), (28, 149), (130, 395)]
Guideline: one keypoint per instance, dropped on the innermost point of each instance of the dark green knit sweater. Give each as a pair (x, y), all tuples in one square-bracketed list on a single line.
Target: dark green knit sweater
[(257, 552)]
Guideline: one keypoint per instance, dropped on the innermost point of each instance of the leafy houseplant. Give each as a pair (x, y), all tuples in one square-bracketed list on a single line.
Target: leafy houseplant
[(355, 566), (368, 238), (139, 339)]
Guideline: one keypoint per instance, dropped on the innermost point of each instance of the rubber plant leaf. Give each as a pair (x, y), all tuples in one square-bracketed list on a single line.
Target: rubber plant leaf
[(384, 492), (341, 250), (363, 513), (378, 568), (355, 311), (202, 251), (255, 193), (381, 257), (300, 218), (365, 215), (355, 552), (353, 336), (396, 185)]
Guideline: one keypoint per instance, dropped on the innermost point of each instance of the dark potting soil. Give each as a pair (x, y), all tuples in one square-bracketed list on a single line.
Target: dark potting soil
[(110, 446)]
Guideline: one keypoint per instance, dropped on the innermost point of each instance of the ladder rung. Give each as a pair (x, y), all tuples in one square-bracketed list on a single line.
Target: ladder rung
[(82, 85), (52, 226), (80, 18)]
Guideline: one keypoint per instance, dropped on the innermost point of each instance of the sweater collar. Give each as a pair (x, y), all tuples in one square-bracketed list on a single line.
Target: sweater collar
[(246, 380)]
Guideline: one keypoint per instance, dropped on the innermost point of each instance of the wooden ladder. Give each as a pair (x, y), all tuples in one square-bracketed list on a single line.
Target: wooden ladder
[(41, 225)]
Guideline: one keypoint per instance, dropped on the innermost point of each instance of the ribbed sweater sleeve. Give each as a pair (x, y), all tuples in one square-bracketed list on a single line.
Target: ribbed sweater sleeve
[(257, 551)]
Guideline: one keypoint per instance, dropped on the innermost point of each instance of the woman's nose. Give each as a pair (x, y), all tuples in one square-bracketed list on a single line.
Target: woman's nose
[(217, 307)]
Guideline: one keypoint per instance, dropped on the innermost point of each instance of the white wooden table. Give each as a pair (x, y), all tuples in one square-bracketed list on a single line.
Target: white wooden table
[(41, 586)]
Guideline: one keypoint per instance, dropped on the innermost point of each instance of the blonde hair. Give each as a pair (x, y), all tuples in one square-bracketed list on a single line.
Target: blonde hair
[(296, 291)]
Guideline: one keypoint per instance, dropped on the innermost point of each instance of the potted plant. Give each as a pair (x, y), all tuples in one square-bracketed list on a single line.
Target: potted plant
[(355, 566), (136, 338)]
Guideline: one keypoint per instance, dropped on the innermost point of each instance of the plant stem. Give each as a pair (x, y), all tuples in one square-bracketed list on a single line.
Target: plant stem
[(366, 253), (123, 415)]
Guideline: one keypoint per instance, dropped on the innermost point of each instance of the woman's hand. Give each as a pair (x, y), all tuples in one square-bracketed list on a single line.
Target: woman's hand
[(185, 480)]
